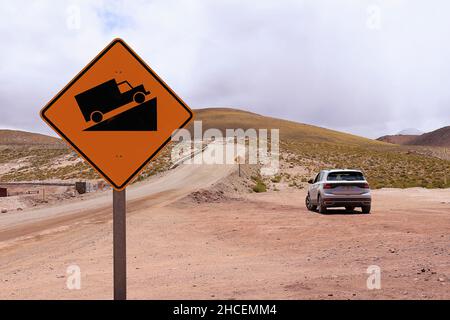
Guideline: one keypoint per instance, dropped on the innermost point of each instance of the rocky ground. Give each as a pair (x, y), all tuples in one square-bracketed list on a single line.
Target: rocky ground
[(210, 244)]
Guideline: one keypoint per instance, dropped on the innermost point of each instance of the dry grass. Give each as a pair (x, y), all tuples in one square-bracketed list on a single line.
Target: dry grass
[(38, 164), (383, 166), (41, 163), (222, 118)]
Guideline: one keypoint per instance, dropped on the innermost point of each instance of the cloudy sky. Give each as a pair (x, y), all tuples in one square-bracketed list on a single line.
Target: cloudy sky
[(365, 67)]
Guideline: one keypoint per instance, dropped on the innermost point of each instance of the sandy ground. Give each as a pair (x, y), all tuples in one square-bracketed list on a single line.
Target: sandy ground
[(255, 246)]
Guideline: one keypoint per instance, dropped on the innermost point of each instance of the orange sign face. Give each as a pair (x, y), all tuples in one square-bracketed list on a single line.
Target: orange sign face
[(117, 114)]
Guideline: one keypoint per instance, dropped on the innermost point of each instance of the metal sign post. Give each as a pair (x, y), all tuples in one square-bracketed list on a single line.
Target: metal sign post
[(120, 245)]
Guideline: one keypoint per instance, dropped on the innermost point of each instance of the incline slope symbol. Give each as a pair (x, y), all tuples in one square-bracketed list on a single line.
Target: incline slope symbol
[(140, 118)]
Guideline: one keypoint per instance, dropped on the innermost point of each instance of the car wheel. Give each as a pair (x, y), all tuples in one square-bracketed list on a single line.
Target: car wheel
[(349, 208), (365, 209), (321, 206), (309, 204), (139, 97)]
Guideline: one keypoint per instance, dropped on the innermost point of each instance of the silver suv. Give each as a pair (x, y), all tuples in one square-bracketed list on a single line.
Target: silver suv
[(338, 188)]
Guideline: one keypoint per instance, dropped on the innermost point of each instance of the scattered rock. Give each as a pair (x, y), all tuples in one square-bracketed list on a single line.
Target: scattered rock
[(19, 209), (4, 211), (205, 196), (440, 279), (392, 250)]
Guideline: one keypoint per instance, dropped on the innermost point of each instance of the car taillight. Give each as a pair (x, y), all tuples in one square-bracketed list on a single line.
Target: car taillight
[(365, 185), (328, 186)]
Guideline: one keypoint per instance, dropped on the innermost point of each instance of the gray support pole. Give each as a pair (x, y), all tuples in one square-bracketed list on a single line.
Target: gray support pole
[(119, 239)]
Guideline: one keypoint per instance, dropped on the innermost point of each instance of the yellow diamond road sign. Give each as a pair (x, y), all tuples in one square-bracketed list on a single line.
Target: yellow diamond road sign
[(117, 114)]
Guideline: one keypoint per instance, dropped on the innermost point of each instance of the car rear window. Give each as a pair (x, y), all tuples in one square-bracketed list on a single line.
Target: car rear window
[(345, 176)]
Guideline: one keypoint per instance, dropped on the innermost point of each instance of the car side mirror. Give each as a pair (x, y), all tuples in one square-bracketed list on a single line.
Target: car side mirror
[(310, 181)]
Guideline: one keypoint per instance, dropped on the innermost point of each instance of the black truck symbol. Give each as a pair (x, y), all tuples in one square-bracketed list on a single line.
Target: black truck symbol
[(105, 97)]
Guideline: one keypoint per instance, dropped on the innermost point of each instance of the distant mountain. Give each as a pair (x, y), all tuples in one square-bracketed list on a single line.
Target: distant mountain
[(436, 138), (410, 132), (398, 138), (15, 137)]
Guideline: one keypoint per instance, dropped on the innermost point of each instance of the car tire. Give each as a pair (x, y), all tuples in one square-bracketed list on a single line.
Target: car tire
[(365, 209), (349, 208), (309, 204), (321, 206)]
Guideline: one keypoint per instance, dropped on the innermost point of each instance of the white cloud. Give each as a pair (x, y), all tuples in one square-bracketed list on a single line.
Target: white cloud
[(311, 61)]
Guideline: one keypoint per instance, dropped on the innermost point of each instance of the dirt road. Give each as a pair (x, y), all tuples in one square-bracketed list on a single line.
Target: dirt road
[(156, 192), (257, 246)]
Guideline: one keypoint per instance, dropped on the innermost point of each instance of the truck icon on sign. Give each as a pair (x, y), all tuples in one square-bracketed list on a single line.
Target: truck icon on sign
[(105, 97)]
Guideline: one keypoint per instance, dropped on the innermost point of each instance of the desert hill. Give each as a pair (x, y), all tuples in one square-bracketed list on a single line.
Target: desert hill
[(227, 118), (314, 148), (304, 150), (16, 137)]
